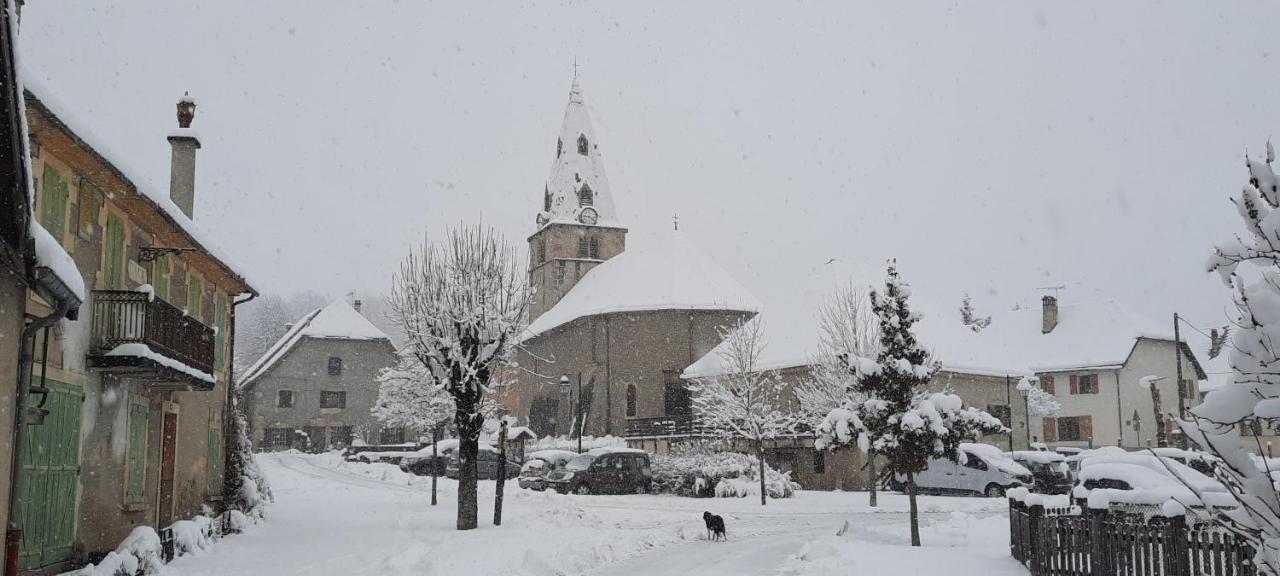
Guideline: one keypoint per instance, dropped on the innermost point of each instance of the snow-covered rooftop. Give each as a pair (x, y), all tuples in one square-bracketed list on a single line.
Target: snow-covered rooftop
[(338, 320), (664, 271), (50, 254), (573, 170), (81, 129)]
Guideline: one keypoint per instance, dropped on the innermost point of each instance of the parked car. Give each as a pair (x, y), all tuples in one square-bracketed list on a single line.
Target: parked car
[(422, 461), (487, 465), (1049, 470), (1145, 472), (533, 475), (981, 469), (604, 471)]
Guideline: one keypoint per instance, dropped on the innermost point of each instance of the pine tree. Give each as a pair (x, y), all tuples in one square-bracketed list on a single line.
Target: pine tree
[(969, 317), (897, 417)]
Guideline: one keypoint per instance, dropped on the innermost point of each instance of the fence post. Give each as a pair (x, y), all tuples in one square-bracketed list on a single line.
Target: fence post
[(1035, 518), (1099, 559), (1175, 548), (1013, 530)]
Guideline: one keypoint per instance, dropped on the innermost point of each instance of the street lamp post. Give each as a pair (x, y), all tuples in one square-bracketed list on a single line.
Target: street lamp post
[(1024, 388), (567, 390)]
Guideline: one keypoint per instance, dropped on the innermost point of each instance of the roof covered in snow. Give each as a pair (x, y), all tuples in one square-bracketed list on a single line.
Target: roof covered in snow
[(338, 320), (661, 272), (577, 167)]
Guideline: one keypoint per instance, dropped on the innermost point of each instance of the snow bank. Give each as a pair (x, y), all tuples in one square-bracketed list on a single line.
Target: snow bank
[(139, 553)]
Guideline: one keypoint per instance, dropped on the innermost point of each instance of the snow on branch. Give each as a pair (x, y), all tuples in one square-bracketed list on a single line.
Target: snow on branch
[(743, 402)]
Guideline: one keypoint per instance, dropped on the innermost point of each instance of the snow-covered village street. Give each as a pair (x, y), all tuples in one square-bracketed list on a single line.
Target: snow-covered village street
[(333, 517)]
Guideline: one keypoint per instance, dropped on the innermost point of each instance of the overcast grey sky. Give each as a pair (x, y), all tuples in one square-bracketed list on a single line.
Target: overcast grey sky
[(993, 148)]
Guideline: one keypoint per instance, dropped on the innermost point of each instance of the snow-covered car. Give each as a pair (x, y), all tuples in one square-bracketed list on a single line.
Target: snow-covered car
[(533, 475), (487, 465), (981, 469), (422, 461), (1145, 478), (604, 471), (1049, 470)]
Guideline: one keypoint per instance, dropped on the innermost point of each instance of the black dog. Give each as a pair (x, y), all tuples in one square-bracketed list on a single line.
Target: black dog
[(715, 526)]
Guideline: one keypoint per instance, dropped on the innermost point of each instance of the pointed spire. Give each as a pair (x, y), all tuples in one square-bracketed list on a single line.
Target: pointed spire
[(577, 189)]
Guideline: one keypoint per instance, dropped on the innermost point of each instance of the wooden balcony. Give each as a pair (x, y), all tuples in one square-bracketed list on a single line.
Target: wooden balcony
[(678, 426), (149, 339)]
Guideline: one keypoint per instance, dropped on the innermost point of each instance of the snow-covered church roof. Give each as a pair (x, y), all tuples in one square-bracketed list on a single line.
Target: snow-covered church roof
[(338, 320), (664, 271), (577, 179)]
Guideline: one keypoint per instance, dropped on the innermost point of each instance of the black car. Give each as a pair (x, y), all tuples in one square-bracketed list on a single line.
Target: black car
[(604, 471), (486, 465)]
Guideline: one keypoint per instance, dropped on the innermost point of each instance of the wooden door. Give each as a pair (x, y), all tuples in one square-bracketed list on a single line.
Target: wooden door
[(168, 447), (50, 472)]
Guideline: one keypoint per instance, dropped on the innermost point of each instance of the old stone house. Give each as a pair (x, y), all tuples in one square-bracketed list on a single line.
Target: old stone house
[(136, 389), (314, 389), (613, 322)]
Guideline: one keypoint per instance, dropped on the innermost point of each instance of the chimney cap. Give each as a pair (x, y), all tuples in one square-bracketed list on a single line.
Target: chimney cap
[(186, 110)]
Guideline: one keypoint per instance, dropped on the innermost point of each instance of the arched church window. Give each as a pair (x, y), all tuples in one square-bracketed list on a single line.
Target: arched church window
[(583, 248), (593, 250), (585, 196), (582, 144), (631, 399), (542, 250)]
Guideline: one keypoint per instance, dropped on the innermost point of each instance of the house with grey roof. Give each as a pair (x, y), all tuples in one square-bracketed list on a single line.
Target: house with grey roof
[(314, 389)]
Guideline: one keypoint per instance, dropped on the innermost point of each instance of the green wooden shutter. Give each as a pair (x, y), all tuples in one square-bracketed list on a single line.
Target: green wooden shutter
[(114, 246), (161, 280), (219, 339), (53, 211), (136, 468), (215, 461), (194, 289)]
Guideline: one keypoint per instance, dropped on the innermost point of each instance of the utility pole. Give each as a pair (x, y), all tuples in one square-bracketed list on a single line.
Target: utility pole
[(435, 460), (1182, 385), (502, 473), (581, 424)]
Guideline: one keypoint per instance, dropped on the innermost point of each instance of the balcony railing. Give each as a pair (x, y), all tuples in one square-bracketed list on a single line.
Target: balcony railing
[(666, 427), (126, 317)]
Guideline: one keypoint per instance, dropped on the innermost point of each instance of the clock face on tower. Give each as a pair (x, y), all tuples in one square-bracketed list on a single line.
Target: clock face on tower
[(588, 216)]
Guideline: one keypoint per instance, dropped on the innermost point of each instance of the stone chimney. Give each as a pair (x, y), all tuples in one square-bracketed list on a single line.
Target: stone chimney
[(182, 169), (1049, 314)]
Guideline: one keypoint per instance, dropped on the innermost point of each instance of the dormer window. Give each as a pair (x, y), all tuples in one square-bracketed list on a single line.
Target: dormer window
[(559, 147), (585, 196), (582, 144)]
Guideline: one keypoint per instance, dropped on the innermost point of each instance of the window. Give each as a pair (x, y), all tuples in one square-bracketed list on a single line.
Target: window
[(392, 436), (276, 437), (335, 366), (333, 399), (113, 263), (559, 151), (53, 202), (593, 248), (284, 399), (819, 462), (160, 275), (1074, 428), (85, 224), (582, 144), (1000, 411), (1050, 429), (1084, 383), (560, 273), (631, 399), (585, 196), (1189, 389), (1046, 384), (974, 462), (583, 248), (215, 480), (542, 250), (340, 436), (195, 289), (220, 335), (136, 462)]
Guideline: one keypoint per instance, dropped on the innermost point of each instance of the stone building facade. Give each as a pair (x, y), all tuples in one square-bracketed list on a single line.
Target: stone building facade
[(315, 388)]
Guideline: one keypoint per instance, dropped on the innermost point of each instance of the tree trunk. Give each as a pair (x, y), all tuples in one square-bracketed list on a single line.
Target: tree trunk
[(760, 453), (435, 460), (871, 475), (469, 422), (915, 513), (501, 475)]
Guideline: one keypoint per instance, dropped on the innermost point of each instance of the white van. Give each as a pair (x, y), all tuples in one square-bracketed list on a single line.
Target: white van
[(982, 469)]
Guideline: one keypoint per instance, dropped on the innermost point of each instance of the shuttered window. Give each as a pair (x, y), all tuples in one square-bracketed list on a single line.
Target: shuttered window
[(160, 279), (220, 337), (1084, 383), (215, 461), (136, 465), (53, 202), (195, 289), (1046, 384), (113, 245), (1050, 429)]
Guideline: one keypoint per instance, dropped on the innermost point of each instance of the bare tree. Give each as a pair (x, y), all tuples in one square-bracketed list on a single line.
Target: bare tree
[(460, 304), (847, 328), (743, 401)]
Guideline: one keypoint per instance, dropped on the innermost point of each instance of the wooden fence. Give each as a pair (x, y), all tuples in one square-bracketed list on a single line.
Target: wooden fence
[(1067, 542)]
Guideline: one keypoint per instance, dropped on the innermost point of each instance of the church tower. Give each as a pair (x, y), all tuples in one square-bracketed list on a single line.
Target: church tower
[(577, 226)]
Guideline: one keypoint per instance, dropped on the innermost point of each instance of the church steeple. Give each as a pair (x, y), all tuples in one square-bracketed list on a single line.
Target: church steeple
[(577, 189), (578, 228)]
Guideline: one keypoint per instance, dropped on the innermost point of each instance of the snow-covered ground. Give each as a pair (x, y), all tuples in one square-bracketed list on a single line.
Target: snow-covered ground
[(333, 517)]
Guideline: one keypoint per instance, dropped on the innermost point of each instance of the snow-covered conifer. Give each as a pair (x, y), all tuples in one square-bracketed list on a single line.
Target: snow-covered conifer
[(461, 303), (743, 402), (969, 317), (896, 417)]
